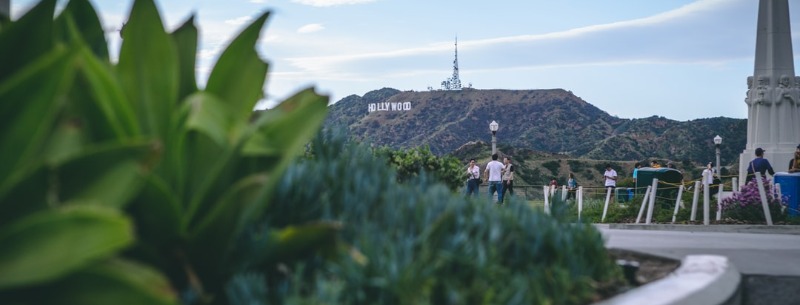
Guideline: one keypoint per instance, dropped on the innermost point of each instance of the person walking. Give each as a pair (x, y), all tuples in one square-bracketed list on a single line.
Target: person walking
[(759, 164), (493, 172), (508, 177), (473, 178), (708, 178), (610, 177)]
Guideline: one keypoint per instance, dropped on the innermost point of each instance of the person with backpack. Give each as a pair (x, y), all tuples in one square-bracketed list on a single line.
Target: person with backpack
[(759, 164), (473, 178)]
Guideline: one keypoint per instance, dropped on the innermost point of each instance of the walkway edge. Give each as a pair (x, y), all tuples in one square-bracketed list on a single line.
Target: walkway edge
[(700, 280), (754, 229)]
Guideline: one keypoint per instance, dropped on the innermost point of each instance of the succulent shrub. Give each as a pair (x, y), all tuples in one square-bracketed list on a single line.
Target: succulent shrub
[(417, 242), (123, 182)]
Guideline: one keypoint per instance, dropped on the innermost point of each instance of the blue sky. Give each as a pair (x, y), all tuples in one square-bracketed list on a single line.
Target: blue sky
[(680, 59)]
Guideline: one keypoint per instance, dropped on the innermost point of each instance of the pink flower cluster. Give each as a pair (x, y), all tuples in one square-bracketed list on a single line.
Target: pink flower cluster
[(748, 197)]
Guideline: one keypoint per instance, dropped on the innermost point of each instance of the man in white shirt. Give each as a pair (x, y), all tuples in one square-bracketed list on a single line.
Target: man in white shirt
[(494, 170), (610, 176)]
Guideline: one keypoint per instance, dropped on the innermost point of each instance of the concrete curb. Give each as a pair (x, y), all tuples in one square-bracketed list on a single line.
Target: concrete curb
[(700, 280), (756, 229)]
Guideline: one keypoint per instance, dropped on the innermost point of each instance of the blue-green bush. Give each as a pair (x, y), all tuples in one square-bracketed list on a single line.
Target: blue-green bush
[(419, 243)]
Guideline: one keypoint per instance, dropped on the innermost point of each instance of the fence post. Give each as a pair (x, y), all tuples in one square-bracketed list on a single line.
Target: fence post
[(605, 207), (706, 199), (546, 202), (563, 193), (652, 204), (719, 201), (677, 203), (763, 196), (579, 197), (695, 197), (644, 202), (735, 184)]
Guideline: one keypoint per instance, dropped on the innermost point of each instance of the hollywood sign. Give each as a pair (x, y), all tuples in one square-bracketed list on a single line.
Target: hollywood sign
[(387, 106)]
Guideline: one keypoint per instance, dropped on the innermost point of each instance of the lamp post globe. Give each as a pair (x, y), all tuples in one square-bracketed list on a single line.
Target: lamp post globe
[(717, 143), (493, 126)]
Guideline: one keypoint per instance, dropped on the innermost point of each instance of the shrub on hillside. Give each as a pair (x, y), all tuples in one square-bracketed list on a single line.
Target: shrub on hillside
[(576, 165), (412, 162), (553, 166)]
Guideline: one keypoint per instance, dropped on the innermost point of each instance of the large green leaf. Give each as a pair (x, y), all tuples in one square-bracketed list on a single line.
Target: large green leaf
[(28, 195), (148, 69), (49, 244), (186, 41), (211, 116), (216, 232), (105, 106), (211, 146), (208, 173), (108, 175), (26, 39), (114, 281), (281, 133), (157, 213), (284, 130), (239, 74), (87, 23), (29, 104)]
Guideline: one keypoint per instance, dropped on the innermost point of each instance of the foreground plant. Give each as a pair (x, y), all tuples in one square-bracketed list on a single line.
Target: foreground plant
[(417, 242), (124, 183)]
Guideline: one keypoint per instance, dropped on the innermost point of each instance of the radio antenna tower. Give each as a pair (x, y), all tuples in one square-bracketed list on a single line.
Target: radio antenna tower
[(453, 83)]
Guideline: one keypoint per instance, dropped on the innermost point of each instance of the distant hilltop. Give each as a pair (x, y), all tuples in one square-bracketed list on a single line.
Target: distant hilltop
[(547, 120)]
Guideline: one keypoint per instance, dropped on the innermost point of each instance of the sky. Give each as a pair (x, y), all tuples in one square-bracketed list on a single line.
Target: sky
[(680, 59)]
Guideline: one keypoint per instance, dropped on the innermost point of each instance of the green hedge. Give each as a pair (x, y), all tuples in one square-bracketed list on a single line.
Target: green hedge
[(419, 243)]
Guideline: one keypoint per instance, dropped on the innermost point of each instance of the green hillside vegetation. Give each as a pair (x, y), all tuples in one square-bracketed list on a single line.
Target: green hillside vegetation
[(554, 122)]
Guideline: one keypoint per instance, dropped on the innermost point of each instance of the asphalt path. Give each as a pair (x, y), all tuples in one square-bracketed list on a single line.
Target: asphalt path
[(752, 254)]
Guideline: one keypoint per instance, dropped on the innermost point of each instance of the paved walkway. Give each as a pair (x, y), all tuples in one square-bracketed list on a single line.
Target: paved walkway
[(760, 253)]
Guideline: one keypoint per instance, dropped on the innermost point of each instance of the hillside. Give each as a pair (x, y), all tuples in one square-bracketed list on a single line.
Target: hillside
[(553, 121)]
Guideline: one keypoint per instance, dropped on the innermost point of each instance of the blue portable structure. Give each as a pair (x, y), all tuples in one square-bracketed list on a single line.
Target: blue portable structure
[(790, 187)]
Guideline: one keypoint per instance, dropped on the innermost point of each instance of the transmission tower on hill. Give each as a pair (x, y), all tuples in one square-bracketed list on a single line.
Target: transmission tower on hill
[(454, 82)]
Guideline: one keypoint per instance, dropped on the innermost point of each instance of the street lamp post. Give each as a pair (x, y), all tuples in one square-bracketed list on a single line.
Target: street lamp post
[(717, 142), (493, 126)]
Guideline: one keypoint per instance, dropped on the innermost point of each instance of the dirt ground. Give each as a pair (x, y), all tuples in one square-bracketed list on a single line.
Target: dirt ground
[(651, 267)]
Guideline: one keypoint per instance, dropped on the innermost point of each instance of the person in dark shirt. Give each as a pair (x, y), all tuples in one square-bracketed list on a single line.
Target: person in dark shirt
[(759, 164), (794, 164)]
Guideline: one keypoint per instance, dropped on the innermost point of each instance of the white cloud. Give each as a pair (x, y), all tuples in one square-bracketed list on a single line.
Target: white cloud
[(310, 28), (326, 3), (239, 21), (690, 34)]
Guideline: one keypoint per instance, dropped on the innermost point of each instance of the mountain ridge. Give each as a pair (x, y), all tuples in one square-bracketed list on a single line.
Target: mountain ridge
[(548, 120)]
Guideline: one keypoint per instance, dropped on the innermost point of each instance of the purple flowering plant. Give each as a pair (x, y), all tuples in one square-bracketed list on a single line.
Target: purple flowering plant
[(746, 204)]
